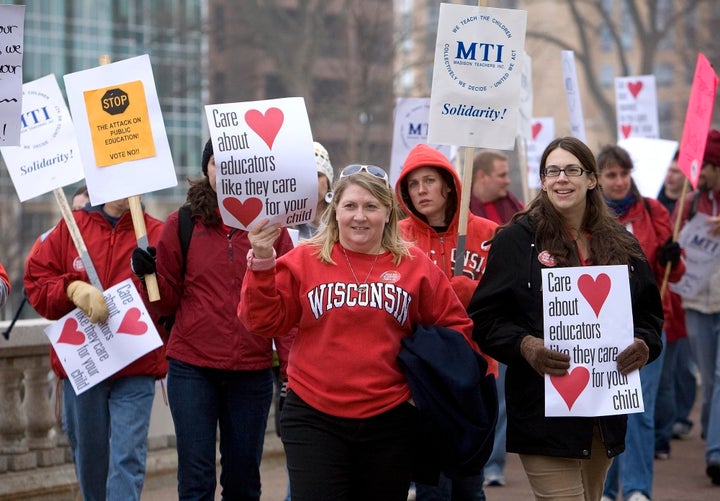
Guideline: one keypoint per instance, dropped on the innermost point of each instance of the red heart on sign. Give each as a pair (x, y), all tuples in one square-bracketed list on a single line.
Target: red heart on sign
[(266, 126), (571, 385), (243, 212), (595, 291), (131, 323), (626, 130), (536, 128), (70, 333), (635, 88)]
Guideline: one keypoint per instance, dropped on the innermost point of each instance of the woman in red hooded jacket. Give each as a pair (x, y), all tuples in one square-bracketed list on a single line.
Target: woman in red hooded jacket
[(429, 192)]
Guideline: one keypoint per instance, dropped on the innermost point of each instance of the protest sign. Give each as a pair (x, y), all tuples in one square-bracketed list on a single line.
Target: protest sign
[(702, 256), (411, 128), (587, 312), (543, 131), (697, 120), (651, 159), (477, 76), (120, 130), (12, 27), (525, 109), (90, 353), (636, 107), (48, 156), (264, 161), (572, 95)]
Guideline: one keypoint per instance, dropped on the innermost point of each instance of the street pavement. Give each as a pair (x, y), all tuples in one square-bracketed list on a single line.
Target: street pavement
[(680, 478)]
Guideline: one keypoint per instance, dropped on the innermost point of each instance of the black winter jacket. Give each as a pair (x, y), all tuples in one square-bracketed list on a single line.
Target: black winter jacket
[(506, 307)]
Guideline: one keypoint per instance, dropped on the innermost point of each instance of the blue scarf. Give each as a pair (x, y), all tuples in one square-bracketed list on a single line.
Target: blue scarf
[(622, 206)]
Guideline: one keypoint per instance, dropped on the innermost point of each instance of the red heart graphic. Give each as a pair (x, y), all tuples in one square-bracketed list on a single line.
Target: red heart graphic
[(70, 333), (266, 126), (572, 384), (595, 291), (626, 130), (243, 212), (536, 128), (131, 323), (635, 88)]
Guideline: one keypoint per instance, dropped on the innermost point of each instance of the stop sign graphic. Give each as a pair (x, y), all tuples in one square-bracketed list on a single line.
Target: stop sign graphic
[(115, 101)]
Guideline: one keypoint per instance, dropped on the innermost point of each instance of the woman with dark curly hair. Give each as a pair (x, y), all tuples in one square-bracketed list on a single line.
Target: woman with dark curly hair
[(220, 374)]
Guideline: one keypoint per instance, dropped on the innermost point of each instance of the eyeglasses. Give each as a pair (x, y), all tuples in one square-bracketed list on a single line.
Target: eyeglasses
[(569, 171), (373, 170)]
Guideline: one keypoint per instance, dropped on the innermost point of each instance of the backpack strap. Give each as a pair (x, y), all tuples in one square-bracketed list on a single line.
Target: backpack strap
[(185, 230)]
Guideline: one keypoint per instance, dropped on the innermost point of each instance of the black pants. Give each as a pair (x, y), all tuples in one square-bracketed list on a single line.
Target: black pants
[(341, 459)]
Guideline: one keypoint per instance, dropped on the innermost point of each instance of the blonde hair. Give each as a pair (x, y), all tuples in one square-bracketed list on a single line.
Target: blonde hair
[(329, 233)]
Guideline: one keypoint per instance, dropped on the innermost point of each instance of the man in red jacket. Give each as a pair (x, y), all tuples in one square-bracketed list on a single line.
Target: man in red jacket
[(106, 425)]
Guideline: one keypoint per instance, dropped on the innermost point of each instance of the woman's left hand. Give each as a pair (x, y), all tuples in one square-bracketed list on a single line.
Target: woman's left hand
[(262, 236), (633, 357)]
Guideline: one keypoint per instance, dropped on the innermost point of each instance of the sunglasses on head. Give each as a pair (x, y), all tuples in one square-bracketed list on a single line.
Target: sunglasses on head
[(373, 170)]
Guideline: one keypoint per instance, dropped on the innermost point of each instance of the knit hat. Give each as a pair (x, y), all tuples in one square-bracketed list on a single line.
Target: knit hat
[(322, 162), (712, 148), (206, 154)]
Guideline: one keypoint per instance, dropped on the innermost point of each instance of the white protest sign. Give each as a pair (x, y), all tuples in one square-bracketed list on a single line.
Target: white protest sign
[(477, 76), (543, 131), (120, 130), (572, 94), (264, 161), (651, 159), (12, 27), (636, 107), (48, 156), (587, 313), (702, 256), (90, 353), (411, 128), (525, 109)]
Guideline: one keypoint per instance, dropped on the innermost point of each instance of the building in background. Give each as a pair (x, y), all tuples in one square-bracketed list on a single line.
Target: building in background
[(337, 54), (65, 36)]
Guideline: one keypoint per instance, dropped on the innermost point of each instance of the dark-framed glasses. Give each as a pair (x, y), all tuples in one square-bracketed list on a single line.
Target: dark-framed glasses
[(569, 171), (373, 170)]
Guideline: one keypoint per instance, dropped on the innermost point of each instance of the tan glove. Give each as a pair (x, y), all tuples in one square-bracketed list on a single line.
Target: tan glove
[(89, 299), (633, 357), (543, 360)]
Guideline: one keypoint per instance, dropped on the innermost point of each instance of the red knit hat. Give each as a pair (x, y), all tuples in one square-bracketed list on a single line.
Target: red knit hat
[(712, 148)]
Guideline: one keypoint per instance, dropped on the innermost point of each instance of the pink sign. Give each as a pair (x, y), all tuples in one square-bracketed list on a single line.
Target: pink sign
[(697, 120)]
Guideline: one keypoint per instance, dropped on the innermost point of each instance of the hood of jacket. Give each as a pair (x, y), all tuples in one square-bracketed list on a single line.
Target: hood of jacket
[(422, 155)]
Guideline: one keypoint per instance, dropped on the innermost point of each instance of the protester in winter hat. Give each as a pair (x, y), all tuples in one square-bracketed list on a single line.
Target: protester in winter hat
[(325, 180), (702, 309), (220, 376)]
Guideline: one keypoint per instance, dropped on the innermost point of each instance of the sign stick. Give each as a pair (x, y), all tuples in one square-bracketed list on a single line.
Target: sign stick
[(676, 232), (77, 237), (139, 225), (465, 201)]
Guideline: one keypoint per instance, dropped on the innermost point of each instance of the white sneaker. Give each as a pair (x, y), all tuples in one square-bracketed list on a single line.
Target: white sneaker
[(638, 496)]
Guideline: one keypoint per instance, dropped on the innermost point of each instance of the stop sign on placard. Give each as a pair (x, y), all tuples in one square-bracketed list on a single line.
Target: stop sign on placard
[(115, 101)]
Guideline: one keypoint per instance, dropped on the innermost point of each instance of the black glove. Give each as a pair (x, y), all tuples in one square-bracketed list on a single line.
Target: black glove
[(142, 262), (669, 253)]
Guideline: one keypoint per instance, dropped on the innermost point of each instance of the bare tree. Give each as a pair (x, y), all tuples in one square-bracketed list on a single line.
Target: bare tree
[(648, 22)]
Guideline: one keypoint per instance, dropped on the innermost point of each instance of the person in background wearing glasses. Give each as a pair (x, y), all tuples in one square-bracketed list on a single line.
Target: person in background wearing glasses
[(649, 221), (429, 192), (566, 224), (355, 290)]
